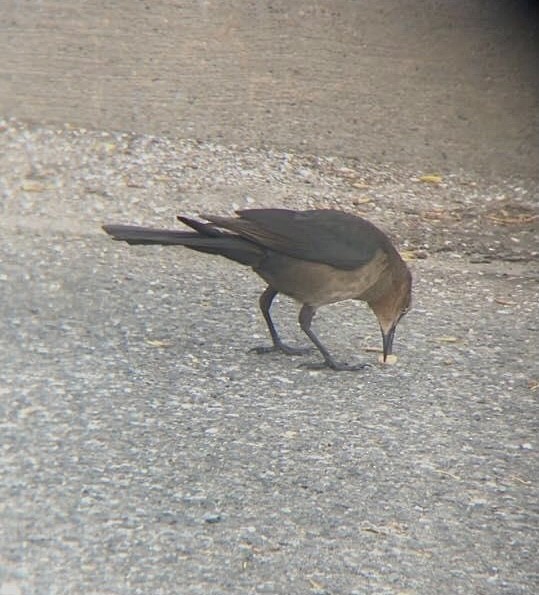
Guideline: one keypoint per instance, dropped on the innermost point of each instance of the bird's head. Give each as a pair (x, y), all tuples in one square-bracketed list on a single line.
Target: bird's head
[(390, 307)]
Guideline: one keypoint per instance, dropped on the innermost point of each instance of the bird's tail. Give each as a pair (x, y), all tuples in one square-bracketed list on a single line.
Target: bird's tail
[(205, 239)]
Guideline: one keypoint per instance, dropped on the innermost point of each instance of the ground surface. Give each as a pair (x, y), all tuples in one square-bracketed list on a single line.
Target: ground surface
[(146, 450), (437, 86)]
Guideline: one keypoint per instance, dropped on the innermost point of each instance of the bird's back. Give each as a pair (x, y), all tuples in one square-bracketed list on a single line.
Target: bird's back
[(335, 238)]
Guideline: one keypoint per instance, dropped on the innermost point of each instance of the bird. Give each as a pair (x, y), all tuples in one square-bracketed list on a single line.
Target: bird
[(317, 257)]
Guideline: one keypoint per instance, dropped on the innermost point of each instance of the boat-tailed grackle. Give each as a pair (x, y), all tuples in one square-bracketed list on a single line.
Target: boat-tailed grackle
[(317, 257)]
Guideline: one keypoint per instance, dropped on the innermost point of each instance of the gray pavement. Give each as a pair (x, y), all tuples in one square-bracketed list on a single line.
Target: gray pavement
[(433, 85), (146, 450)]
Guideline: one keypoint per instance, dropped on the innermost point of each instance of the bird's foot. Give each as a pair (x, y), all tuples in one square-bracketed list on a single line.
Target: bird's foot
[(282, 348), (333, 365)]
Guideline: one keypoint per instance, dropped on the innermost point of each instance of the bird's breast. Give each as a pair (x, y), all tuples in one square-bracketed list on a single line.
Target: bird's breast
[(317, 284)]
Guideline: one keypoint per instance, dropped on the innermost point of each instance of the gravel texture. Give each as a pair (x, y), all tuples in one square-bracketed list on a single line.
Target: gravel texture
[(146, 450)]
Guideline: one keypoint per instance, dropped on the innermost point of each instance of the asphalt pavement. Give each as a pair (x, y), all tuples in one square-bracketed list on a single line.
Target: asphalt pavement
[(146, 449), (432, 85)]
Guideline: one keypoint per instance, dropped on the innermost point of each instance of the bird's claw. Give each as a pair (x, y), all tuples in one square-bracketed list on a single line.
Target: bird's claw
[(337, 366), (282, 348)]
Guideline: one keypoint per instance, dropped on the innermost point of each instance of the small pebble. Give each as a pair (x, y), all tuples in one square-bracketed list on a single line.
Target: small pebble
[(390, 359)]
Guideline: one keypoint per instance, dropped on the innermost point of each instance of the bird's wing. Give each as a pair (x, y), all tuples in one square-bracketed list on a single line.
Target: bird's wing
[(331, 237)]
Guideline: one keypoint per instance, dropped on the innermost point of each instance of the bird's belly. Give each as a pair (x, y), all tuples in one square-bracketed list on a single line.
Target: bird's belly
[(317, 284)]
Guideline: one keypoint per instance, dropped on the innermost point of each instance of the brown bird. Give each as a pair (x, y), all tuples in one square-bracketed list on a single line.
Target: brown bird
[(316, 257)]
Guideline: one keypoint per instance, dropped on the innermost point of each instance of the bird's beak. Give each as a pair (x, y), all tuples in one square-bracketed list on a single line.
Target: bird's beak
[(387, 339)]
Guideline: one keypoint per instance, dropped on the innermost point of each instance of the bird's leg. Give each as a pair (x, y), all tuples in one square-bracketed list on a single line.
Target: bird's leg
[(305, 318), (265, 302)]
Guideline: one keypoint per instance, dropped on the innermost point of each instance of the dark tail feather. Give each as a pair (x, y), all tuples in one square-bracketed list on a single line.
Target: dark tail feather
[(227, 245), (133, 234), (206, 229)]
